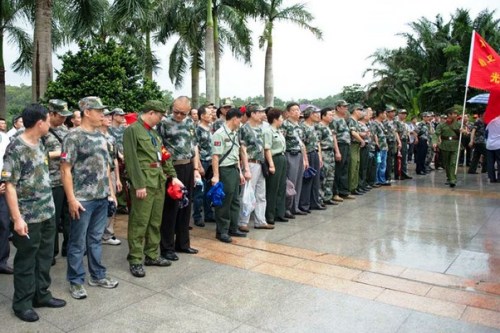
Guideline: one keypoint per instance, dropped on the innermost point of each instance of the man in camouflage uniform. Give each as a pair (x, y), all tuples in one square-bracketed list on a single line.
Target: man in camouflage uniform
[(148, 166), (85, 174), (310, 198), (367, 161), (404, 135), (422, 141), (178, 136), (29, 197), (53, 141), (357, 142), (117, 129), (478, 142), (393, 141), (339, 126), (329, 150), (380, 132), (296, 156), (431, 151), (252, 141)]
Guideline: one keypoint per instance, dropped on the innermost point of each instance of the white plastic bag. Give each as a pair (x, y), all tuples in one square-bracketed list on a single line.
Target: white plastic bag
[(248, 201)]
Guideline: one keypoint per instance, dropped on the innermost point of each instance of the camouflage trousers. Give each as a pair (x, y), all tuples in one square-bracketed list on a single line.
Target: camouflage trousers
[(327, 175), (429, 157)]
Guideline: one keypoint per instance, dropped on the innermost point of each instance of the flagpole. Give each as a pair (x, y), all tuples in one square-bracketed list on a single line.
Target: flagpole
[(469, 68)]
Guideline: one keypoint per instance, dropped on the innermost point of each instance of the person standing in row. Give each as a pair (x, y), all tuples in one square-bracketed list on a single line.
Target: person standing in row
[(478, 142), (357, 142), (85, 175), (148, 165), (403, 130), (29, 197), (329, 153), (422, 141), (339, 125)]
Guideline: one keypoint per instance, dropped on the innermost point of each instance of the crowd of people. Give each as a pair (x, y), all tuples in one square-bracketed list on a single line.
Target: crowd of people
[(66, 172)]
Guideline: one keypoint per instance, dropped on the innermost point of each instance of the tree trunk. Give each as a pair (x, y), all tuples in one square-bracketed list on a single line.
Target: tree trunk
[(217, 58), (210, 55), (42, 49), (195, 83), (148, 66), (3, 97), (268, 76)]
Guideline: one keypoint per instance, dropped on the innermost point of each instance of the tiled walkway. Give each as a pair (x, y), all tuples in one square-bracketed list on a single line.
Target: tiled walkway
[(415, 257)]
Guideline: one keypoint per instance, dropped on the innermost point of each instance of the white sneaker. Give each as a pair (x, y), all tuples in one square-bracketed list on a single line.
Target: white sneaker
[(77, 291), (105, 282), (112, 241)]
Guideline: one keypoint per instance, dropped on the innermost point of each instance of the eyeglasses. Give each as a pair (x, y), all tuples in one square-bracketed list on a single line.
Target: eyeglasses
[(180, 113)]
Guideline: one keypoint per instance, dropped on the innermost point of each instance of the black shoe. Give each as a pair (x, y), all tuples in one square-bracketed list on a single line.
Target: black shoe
[(280, 219), (6, 270), (300, 213), (170, 256), (452, 185), (122, 210), (356, 192), (137, 270), (307, 211), (27, 315), (51, 303), (210, 220), (331, 202), (472, 173), (199, 224), (367, 187), (386, 184), (407, 177), (270, 222), (225, 238), (160, 261), (189, 250), (236, 233), (421, 173), (289, 216), (319, 208)]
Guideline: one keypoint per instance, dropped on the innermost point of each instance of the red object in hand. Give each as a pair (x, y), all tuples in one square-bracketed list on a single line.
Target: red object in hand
[(165, 155), (174, 191)]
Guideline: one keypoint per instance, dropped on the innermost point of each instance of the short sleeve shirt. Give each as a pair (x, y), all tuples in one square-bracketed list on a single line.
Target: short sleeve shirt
[(117, 133), (343, 133), (87, 152), (178, 137), (253, 139), (479, 136), (274, 140), (391, 128), (294, 136), (53, 144), (27, 168), (381, 132), (325, 136), (310, 137), (225, 140), (204, 138)]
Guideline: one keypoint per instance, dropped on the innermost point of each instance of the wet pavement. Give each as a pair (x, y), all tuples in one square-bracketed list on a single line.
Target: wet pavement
[(414, 257)]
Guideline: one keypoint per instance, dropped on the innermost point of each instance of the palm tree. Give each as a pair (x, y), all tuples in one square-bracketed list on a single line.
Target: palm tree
[(10, 11), (271, 12), (210, 54)]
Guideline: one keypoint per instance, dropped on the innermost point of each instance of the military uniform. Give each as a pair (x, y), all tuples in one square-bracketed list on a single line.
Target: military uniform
[(381, 132), (364, 154), (180, 140), (479, 140), (109, 232), (253, 139), (423, 133), (310, 198), (340, 127), (204, 139), (146, 169), (355, 149), (390, 126), (448, 134), (225, 141), (325, 137), (294, 136), (26, 168), (276, 183), (404, 136), (371, 172)]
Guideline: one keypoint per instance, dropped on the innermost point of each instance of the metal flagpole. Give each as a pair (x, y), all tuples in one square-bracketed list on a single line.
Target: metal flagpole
[(469, 68)]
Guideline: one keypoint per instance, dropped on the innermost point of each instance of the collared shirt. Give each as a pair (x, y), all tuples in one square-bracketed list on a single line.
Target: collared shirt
[(53, 144), (294, 136), (274, 140), (325, 136), (204, 139), (225, 140), (178, 137), (310, 137), (381, 132), (340, 127), (253, 139)]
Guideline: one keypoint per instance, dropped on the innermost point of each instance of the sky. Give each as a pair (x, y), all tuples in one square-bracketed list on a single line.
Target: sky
[(305, 67)]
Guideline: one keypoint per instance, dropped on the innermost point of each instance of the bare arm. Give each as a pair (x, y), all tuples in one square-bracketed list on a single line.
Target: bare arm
[(67, 179), (20, 226)]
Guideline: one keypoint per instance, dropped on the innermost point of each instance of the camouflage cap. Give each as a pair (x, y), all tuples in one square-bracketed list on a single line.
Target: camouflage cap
[(357, 107), (425, 114), (310, 110), (91, 102), (341, 102), (401, 111), (118, 111), (154, 105), (226, 102), (107, 112), (389, 108), (454, 109), (59, 106), (254, 107)]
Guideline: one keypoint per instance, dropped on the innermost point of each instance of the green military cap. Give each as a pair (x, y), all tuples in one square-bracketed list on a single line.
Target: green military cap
[(357, 107), (107, 112), (118, 111), (154, 105), (59, 106), (341, 102), (389, 108), (91, 102), (401, 111), (310, 110), (454, 109), (254, 107), (227, 102), (425, 114)]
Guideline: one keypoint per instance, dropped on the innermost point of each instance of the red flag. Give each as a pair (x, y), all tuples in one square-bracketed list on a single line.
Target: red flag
[(493, 108), (484, 65)]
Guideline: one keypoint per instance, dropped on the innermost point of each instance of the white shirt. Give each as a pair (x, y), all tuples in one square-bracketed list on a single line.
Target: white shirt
[(4, 142), (493, 140)]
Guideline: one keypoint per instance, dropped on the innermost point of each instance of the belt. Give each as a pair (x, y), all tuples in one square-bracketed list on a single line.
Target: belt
[(181, 162), (155, 165), (449, 138), (229, 166), (293, 152), (279, 154), (327, 149), (253, 161), (342, 143)]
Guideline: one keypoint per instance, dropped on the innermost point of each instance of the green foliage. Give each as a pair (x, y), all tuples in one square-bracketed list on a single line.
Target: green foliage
[(353, 94), (17, 99), (106, 70)]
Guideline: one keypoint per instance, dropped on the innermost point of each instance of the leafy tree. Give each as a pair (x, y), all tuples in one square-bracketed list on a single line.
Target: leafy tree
[(105, 70), (17, 99), (353, 94)]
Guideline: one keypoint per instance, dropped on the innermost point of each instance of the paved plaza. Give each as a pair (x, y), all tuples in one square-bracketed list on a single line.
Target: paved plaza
[(414, 257)]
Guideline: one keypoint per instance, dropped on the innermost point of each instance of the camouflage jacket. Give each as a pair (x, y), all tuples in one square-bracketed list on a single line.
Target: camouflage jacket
[(423, 130), (253, 139), (294, 136), (117, 133), (26, 167), (53, 144), (204, 139), (402, 130), (178, 137), (339, 126), (325, 136), (480, 135), (381, 132), (390, 125), (310, 137)]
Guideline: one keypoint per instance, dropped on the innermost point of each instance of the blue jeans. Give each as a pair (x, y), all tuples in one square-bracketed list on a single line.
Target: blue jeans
[(201, 200), (381, 166), (86, 234)]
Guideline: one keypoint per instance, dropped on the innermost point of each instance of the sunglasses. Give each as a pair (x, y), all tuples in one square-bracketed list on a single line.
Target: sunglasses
[(176, 112)]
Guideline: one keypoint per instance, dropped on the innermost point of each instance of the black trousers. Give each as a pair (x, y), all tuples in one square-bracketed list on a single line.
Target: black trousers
[(493, 157), (363, 166), (479, 150), (4, 232), (421, 154), (62, 219), (342, 170), (391, 155), (309, 196), (175, 221)]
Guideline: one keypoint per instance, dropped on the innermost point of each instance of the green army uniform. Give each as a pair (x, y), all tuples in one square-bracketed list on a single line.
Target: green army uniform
[(430, 149), (227, 216), (276, 183), (340, 127), (117, 133), (391, 147), (364, 157), (404, 136), (26, 168), (309, 196), (325, 137), (294, 136), (355, 149), (447, 136), (143, 161)]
